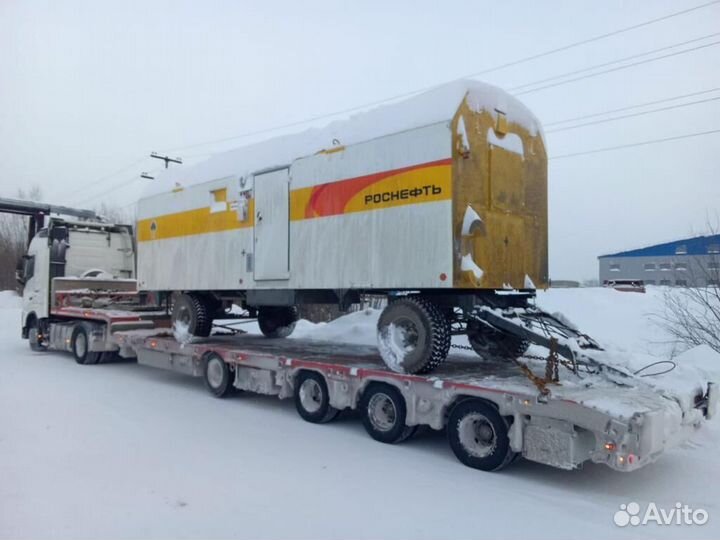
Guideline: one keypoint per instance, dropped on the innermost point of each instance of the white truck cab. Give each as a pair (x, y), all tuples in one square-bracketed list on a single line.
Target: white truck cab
[(71, 249)]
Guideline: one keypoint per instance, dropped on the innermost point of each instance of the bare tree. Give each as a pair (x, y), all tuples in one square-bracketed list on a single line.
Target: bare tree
[(691, 312), (13, 237)]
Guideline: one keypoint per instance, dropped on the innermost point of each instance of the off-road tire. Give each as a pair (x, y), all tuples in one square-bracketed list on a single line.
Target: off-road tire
[(277, 321), (396, 431), (492, 344), (491, 454), (79, 345), (217, 376), (433, 334), (317, 410), (195, 311)]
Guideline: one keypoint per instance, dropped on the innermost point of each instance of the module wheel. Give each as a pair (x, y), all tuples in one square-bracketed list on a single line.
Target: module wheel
[(191, 316), (217, 375), (312, 399), (384, 413), (80, 346), (277, 321), (492, 344), (413, 335), (35, 337), (478, 436)]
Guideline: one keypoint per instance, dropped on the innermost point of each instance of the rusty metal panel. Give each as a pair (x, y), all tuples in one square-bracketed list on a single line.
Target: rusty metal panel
[(500, 174)]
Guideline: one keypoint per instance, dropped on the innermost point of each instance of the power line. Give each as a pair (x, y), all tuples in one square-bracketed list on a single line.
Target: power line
[(83, 187), (631, 145), (631, 57), (629, 107), (668, 108), (592, 39), (426, 88), (626, 66), (113, 188)]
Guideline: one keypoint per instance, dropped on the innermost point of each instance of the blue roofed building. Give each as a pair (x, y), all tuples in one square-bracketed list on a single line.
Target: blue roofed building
[(692, 262)]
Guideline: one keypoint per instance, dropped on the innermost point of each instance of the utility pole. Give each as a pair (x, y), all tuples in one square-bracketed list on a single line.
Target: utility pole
[(146, 175), (166, 159)]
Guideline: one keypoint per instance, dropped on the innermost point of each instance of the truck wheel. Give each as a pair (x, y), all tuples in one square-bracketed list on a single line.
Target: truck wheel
[(191, 316), (478, 436), (492, 344), (413, 335), (217, 375), (312, 399), (35, 338), (383, 414), (80, 345), (277, 321)]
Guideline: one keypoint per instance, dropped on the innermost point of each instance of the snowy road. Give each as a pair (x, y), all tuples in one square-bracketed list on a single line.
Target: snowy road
[(125, 451)]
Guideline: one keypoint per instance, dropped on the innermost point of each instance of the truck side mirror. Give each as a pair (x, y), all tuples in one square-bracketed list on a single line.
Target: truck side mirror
[(20, 271)]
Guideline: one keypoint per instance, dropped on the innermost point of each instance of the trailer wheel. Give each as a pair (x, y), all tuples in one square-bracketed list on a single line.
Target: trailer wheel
[(35, 338), (312, 399), (383, 414), (217, 375), (492, 344), (413, 335), (277, 321), (478, 436), (80, 345), (191, 315)]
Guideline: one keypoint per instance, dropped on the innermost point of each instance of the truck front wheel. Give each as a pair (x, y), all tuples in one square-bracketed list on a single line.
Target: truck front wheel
[(277, 321), (35, 337)]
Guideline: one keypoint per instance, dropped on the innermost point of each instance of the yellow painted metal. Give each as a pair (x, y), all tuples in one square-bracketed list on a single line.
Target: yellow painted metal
[(508, 190)]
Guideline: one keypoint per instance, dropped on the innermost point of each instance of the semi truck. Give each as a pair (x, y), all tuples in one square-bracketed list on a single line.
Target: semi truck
[(563, 409)]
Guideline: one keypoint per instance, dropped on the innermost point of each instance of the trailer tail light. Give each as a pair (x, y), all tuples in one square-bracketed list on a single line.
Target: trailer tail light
[(631, 458), (153, 344), (610, 446)]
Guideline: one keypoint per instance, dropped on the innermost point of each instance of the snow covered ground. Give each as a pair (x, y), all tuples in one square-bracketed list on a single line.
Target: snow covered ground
[(126, 451)]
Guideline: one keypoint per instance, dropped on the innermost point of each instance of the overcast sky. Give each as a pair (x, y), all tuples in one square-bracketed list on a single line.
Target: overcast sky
[(88, 89)]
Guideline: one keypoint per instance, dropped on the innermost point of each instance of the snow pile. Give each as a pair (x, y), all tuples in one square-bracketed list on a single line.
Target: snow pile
[(437, 105)]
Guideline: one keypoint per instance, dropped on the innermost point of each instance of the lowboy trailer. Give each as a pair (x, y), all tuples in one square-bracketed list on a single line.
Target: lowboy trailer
[(493, 413)]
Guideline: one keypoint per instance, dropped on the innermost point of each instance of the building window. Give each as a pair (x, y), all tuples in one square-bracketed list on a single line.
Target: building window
[(713, 283), (665, 266), (649, 282), (649, 266), (681, 283), (665, 282), (681, 250), (681, 266), (714, 265), (714, 249), (614, 267)]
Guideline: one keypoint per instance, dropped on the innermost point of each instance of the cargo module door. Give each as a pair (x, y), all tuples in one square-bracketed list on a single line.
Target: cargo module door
[(272, 225)]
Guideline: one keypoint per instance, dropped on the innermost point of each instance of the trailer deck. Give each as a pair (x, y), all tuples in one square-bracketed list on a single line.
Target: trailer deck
[(590, 418)]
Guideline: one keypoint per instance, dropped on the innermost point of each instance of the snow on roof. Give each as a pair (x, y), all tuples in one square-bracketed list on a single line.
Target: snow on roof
[(437, 105), (697, 245)]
